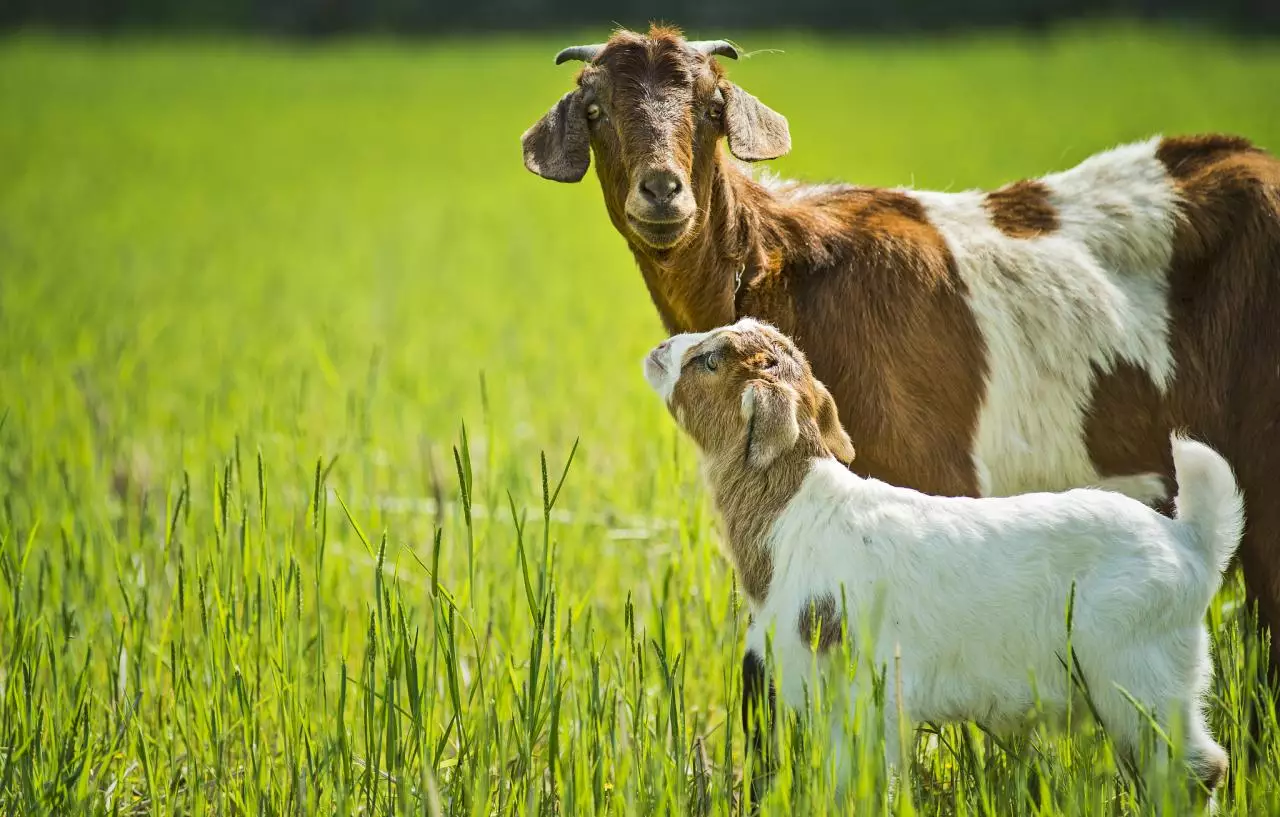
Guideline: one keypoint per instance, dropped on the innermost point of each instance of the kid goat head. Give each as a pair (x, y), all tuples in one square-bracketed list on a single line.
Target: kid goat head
[(746, 392), (653, 110)]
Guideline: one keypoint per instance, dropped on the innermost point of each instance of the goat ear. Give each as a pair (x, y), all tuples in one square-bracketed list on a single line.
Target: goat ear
[(772, 428), (558, 146), (833, 435), (755, 131)]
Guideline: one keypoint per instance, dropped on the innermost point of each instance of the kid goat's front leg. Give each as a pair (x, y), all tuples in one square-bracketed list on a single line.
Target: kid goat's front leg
[(759, 708), (783, 669), (759, 711)]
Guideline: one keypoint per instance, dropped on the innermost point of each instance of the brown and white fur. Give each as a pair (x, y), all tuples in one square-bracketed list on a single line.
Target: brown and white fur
[(962, 599), (1045, 335)]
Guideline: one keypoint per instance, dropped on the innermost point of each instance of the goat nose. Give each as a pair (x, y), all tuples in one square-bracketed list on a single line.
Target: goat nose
[(660, 186)]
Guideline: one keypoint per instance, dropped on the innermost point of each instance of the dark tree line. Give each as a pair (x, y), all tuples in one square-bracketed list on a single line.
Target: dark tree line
[(314, 18)]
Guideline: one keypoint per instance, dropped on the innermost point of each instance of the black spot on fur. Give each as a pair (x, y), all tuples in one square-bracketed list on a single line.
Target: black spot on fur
[(820, 616)]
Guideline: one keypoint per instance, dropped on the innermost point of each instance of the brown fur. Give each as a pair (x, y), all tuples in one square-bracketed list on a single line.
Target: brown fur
[(1225, 295), (1022, 209), (1126, 427), (820, 622), (709, 405)]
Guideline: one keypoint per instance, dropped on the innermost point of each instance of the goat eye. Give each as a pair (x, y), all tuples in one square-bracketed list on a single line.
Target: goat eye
[(593, 111), (711, 360)]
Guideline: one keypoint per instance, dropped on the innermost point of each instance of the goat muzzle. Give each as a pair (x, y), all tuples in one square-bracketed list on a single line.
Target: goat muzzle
[(660, 207)]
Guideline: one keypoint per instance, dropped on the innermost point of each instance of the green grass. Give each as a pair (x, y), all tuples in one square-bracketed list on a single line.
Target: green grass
[(251, 563)]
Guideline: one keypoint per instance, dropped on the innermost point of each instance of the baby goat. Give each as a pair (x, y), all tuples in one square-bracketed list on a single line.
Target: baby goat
[(972, 592)]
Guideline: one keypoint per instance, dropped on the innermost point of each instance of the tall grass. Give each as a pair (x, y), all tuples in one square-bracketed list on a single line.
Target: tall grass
[(328, 481)]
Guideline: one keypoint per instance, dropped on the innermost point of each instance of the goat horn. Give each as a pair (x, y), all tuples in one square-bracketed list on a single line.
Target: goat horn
[(715, 48), (586, 53)]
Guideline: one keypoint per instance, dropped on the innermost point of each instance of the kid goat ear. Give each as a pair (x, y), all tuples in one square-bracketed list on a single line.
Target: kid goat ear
[(833, 435), (772, 428)]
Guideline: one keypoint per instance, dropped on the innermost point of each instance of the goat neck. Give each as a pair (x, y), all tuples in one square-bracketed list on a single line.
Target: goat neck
[(695, 285), (750, 500)]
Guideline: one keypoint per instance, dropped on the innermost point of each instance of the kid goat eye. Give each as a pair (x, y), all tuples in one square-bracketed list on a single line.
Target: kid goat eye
[(593, 111)]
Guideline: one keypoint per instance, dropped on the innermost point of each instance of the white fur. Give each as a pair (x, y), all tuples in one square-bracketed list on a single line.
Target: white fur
[(1053, 309), (973, 593), (1148, 488), (662, 365)]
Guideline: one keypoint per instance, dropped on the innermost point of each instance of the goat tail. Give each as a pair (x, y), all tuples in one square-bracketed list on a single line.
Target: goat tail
[(1208, 501)]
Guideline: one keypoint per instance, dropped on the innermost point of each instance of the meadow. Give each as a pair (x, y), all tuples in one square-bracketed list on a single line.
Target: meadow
[(329, 483)]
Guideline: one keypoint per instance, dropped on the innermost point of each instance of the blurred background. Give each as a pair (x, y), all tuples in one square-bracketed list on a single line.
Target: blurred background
[(435, 17)]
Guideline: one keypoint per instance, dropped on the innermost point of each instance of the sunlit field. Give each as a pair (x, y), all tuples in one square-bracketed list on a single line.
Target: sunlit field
[(329, 482)]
